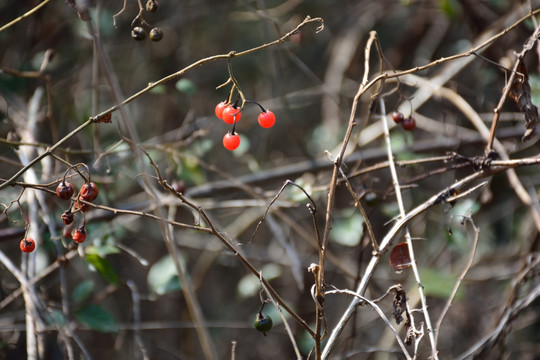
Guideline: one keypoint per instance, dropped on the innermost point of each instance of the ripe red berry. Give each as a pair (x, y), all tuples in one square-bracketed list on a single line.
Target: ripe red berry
[(231, 141), (267, 119), (219, 109), (408, 123), (79, 235), (65, 190), (89, 191), (27, 245), (397, 117), (231, 114)]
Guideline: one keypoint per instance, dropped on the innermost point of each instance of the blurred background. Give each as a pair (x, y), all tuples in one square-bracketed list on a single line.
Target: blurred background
[(309, 82)]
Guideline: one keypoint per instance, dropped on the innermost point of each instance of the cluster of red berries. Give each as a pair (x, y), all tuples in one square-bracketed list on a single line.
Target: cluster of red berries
[(138, 33), (230, 114), (65, 191), (407, 123)]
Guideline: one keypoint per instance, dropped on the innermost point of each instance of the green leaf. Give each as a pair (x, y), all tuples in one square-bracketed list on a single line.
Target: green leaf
[(102, 250), (55, 317), (186, 86), (439, 284), (96, 318), (162, 277), (103, 267), (82, 291), (250, 285), (348, 230)]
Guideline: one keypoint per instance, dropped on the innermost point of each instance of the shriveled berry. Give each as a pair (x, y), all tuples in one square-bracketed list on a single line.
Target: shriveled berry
[(219, 109), (89, 191), (79, 235), (152, 6), (67, 217), (138, 33), (231, 141), (231, 114), (267, 119), (408, 123), (65, 190), (263, 323), (27, 245), (397, 117), (156, 34)]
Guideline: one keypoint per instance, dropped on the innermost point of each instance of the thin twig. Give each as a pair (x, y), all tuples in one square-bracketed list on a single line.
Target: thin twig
[(459, 280)]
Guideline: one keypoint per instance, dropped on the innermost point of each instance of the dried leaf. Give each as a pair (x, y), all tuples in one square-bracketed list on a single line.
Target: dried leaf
[(400, 304), (400, 258), (520, 92)]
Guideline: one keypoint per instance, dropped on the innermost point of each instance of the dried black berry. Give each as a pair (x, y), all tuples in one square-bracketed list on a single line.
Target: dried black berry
[(156, 34), (138, 33)]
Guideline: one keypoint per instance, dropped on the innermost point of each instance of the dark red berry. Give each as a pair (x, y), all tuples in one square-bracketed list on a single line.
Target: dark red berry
[(179, 186), (138, 33), (152, 6), (79, 235), (81, 206), (89, 191), (27, 245), (397, 117), (65, 190), (67, 217), (408, 123), (156, 34)]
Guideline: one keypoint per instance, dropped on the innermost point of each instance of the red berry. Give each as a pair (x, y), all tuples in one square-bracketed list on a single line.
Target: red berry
[(79, 235), (219, 109), (65, 190), (408, 123), (89, 191), (231, 141), (397, 117), (231, 114), (27, 245), (267, 119)]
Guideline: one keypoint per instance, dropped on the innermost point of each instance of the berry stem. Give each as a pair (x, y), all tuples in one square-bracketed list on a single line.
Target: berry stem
[(254, 102)]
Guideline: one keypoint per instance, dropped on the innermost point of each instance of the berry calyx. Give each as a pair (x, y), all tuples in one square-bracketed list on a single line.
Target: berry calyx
[(231, 141), (89, 191), (408, 123), (231, 115), (263, 323), (65, 190), (397, 117), (267, 119), (219, 109), (138, 33), (27, 245), (156, 34), (79, 235)]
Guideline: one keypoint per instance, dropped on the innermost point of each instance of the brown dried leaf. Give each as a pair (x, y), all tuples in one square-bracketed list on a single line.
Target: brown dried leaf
[(520, 92), (400, 304), (399, 257)]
